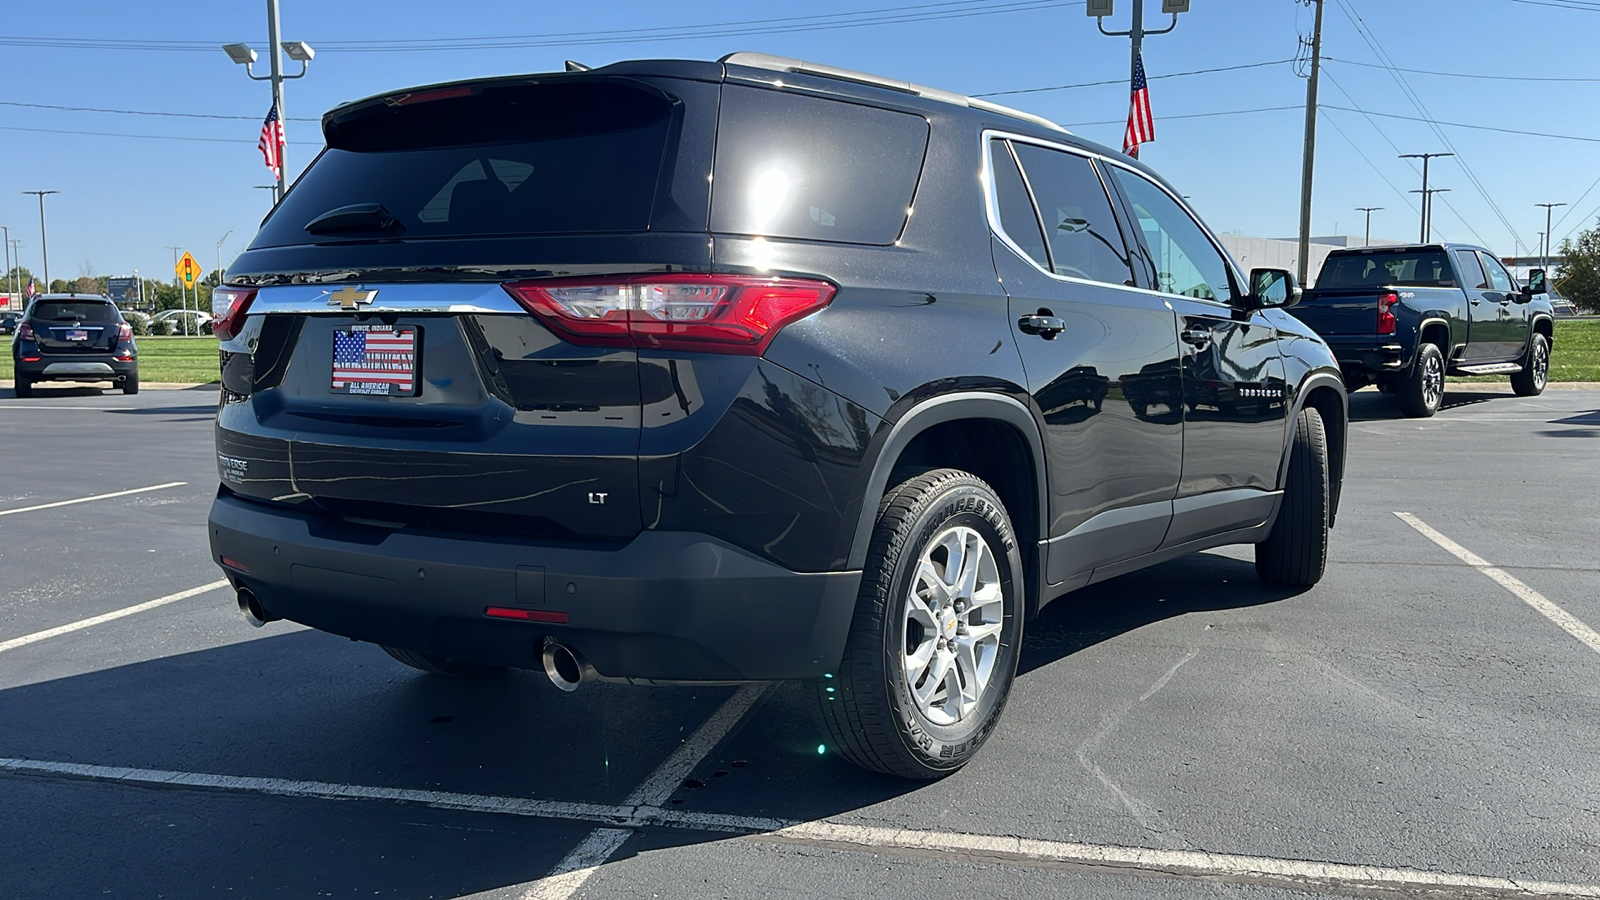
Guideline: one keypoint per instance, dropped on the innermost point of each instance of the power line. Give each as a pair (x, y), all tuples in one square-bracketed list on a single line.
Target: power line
[(1365, 65), (1204, 115), (152, 137), (949, 9), (1561, 4), (1359, 152), (1544, 134), (141, 112), (1372, 43), (1083, 84)]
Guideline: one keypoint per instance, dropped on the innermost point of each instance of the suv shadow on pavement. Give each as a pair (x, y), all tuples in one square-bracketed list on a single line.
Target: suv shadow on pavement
[(309, 706)]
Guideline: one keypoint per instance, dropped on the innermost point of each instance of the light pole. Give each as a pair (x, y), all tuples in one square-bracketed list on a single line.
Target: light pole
[(1427, 198), (183, 299), (9, 291), (16, 254), (1544, 257), (1427, 206), (44, 245), (1369, 210), (219, 258), (299, 51), (1099, 9)]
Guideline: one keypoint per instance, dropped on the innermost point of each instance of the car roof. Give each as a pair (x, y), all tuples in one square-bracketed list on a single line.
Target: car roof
[(97, 298)]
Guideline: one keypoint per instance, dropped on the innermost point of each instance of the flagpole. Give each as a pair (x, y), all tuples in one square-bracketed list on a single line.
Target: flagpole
[(1102, 8), (277, 94)]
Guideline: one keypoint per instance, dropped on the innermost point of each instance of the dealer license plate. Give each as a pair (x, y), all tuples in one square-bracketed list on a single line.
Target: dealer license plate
[(375, 359)]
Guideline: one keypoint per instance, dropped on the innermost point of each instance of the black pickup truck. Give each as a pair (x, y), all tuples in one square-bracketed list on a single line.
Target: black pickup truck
[(1402, 317)]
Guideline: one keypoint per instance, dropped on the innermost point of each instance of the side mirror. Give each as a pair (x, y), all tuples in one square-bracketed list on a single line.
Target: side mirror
[(1538, 283), (1272, 288)]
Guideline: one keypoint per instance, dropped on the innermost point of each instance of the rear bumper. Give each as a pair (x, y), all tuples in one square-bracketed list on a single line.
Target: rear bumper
[(1365, 358), (667, 606), (78, 367)]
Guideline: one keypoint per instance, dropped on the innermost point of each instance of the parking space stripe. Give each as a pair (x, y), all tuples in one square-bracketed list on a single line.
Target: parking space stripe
[(1565, 620), (1230, 867), (143, 490), (575, 868), (92, 621)]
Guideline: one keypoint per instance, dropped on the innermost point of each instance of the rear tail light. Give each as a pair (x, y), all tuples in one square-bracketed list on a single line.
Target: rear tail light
[(711, 313), (228, 306), (124, 332), (25, 332), (1385, 317)]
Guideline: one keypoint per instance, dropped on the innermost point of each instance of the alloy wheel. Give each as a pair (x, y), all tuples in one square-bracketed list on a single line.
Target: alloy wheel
[(953, 617)]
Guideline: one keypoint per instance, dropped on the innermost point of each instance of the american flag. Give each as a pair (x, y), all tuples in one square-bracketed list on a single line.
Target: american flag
[(271, 143), (30, 290), (370, 358), (1141, 126)]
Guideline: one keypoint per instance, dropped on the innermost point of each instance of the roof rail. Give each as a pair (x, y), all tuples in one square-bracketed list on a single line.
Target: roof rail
[(786, 64)]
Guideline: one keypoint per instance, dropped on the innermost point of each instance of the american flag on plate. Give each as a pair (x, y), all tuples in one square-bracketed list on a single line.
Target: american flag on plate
[(1141, 124), (375, 359)]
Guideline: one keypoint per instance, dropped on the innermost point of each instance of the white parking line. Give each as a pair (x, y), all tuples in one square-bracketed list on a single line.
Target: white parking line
[(576, 867), (1568, 623), (92, 621), (143, 490), (1230, 867)]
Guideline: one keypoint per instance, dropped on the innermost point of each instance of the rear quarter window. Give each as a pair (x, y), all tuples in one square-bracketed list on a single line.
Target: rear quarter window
[(794, 166)]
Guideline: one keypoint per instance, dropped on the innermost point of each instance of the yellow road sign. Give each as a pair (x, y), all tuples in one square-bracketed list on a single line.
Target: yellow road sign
[(189, 270)]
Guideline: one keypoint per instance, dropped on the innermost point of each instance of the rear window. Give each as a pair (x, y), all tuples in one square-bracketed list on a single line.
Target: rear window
[(1413, 268), (74, 311), (805, 167), (506, 159)]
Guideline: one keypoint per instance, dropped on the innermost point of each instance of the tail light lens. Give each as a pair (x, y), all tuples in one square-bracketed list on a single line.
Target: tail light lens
[(25, 332), (709, 313), (124, 332), (228, 306), (1385, 317)]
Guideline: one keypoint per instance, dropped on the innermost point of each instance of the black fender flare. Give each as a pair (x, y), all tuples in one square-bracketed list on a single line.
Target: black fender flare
[(1313, 380), (937, 411), (1533, 326)]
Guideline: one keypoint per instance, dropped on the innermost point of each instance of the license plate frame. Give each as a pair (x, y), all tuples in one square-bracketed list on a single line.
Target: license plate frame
[(395, 373)]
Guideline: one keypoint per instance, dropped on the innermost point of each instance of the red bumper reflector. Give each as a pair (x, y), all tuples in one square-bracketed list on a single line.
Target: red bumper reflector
[(526, 615), (235, 564), (32, 358)]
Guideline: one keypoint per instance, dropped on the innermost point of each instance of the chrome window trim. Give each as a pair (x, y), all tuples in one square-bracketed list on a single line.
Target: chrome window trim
[(992, 208), (460, 297)]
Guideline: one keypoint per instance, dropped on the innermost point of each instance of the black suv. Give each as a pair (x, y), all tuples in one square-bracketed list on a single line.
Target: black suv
[(675, 371), (74, 337)]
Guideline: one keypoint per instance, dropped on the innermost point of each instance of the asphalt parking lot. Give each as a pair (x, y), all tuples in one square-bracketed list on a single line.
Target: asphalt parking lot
[(1422, 723)]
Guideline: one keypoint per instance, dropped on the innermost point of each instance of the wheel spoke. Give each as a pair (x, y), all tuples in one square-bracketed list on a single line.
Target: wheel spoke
[(917, 611), (977, 634), (917, 660), (972, 682), (929, 577), (937, 670)]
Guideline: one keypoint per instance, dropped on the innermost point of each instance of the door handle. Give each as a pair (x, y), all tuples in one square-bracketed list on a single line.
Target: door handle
[(1044, 326), (1476, 302), (1197, 337)]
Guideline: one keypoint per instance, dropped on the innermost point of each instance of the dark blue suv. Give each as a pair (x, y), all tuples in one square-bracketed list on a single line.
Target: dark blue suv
[(715, 372)]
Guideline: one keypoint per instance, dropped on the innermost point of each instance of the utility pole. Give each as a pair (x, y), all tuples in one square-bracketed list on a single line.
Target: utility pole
[(1308, 161), (1544, 257), (1427, 210), (9, 292), (183, 297), (1099, 9), (44, 245), (1369, 210), (1427, 198), (16, 254)]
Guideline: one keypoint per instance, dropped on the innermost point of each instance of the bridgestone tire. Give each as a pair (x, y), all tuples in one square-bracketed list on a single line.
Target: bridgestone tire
[(23, 387), (1535, 372), (1413, 394), (868, 706), (440, 665), (1295, 553)]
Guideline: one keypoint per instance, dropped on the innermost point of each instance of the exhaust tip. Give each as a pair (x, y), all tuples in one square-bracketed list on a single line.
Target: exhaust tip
[(563, 666), (252, 610)]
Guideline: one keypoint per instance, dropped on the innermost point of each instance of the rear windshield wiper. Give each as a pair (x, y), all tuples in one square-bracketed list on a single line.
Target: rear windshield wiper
[(357, 218)]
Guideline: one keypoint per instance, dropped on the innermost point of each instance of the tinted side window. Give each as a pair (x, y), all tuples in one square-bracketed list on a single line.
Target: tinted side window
[(1187, 263), (1017, 218), (1471, 271), (1498, 276), (1084, 239), (805, 167)]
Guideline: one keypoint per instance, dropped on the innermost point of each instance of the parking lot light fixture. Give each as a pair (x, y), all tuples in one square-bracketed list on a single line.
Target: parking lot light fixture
[(44, 245), (299, 51), (240, 53)]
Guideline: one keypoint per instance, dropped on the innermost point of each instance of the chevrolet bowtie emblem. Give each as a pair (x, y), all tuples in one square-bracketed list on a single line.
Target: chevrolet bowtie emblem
[(349, 298)]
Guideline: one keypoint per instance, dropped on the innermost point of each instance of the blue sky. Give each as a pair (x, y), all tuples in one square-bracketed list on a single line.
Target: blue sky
[(123, 200)]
